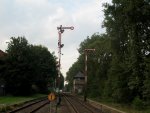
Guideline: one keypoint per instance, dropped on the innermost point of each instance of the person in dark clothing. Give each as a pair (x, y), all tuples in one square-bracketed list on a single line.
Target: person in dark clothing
[(58, 99)]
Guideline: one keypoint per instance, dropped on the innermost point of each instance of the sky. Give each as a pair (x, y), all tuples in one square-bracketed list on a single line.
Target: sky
[(37, 21)]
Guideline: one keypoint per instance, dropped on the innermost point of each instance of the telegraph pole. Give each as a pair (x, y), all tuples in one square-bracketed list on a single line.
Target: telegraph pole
[(60, 29), (85, 72)]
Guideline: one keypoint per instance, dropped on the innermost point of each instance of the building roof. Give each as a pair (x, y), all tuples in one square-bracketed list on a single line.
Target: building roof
[(2, 53), (79, 75)]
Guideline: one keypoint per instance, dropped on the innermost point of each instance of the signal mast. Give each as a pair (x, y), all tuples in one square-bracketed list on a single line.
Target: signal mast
[(60, 29)]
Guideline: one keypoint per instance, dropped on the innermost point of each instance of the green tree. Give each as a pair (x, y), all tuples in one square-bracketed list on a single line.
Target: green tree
[(44, 64), (127, 24), (98, 64), (27, 66), (16, 75)]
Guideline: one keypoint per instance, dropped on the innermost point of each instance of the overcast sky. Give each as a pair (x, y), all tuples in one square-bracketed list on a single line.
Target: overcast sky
[(38, 20)]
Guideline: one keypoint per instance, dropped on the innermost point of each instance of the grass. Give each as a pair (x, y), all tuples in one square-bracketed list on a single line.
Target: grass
[(126, 108), (9, 100), (123, 107)]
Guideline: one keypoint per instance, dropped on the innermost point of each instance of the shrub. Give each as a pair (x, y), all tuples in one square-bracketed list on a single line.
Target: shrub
[(137, 103)]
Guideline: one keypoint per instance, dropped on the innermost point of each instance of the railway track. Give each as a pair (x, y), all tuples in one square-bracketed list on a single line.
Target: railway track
[(31, 107), (79, 106)]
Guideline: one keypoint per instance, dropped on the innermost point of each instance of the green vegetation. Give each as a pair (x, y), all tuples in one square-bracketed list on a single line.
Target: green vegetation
[(27, 69), (119, 69), (123, 107), (9, 100)]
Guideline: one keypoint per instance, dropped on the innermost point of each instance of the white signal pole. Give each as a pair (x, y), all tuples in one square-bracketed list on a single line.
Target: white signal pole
[(60, 29)]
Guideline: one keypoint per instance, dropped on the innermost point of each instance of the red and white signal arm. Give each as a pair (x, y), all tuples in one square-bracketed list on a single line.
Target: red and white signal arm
[(72, 28), (51, 97)]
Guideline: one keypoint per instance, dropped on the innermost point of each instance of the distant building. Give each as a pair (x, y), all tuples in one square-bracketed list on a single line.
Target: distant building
[(2, 54), (2, 82), (78, 82)]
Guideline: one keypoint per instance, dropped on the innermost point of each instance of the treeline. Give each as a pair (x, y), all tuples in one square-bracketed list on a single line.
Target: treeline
[(27, 68), (119, 69)]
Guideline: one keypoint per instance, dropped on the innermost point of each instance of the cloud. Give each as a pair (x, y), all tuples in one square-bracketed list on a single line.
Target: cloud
[(38, 20), (87, 20)]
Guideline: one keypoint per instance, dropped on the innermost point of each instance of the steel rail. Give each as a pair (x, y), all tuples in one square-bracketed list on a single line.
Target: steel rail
[(74, 108), (26, 106), (85, 106), (88, 106), (35, 110)]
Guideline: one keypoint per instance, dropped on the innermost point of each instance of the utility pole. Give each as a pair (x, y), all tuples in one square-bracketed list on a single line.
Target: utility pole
[(60, 29), (85, 72)]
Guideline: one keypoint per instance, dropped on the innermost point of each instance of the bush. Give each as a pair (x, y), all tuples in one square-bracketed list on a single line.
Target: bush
[(137, 103)]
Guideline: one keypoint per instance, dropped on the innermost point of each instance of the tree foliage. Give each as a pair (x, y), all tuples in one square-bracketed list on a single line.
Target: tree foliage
[(99, 59), (119, 69), (27, 68), (127, 24)]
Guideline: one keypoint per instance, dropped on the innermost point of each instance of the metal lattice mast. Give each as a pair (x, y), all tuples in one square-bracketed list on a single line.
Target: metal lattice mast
[(60, 29)]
